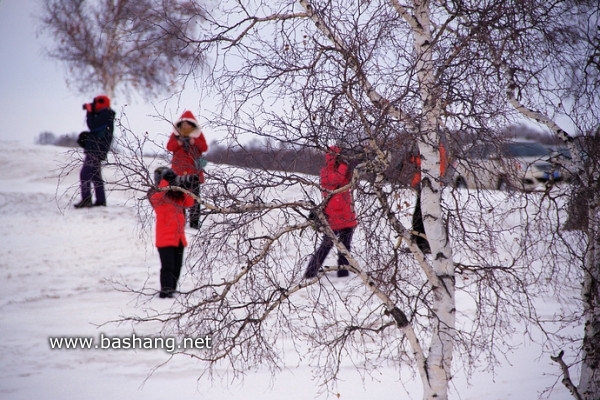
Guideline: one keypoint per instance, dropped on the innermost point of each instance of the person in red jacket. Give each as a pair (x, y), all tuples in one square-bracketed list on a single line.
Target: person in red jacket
[(187, 143), (339, 211), (170, 233)]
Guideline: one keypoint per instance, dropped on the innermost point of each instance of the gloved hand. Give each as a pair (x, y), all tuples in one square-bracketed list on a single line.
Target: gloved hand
[(170, 176), (185, 142), (165, 173)]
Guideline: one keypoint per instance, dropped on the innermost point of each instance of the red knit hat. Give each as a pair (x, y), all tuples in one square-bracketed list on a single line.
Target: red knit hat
[(101, 102)]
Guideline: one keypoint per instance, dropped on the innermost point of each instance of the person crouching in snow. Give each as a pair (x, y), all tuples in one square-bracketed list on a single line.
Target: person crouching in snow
[(170, 233), (339, 211), (188, 144)]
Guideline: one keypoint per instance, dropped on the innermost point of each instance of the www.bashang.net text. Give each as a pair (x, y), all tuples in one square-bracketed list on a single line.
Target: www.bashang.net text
[(131, 342)]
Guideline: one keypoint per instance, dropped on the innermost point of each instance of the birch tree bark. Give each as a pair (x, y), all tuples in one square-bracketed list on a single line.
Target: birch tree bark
[(439, 360)]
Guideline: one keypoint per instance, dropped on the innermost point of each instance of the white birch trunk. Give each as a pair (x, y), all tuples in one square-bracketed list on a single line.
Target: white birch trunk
[(589, 383), (434, 366), (439, 359)]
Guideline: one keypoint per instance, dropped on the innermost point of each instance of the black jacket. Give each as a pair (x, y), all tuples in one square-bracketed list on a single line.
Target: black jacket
[(98, 140)]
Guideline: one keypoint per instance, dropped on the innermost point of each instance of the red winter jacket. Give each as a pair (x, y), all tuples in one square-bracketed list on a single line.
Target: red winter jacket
[(170, 218), (339, 209), (416, 159), (184, 158)]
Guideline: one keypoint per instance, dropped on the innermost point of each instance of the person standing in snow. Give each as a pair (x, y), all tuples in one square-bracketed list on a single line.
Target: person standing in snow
[(187, 143), (339, 211), (170, 228), (417, 219), (96, 143)]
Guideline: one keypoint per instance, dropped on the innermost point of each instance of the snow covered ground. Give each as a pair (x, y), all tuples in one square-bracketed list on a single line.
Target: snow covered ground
[(58, 269)]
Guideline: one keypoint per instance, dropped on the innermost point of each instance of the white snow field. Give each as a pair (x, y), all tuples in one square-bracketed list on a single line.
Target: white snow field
[(58, 267)]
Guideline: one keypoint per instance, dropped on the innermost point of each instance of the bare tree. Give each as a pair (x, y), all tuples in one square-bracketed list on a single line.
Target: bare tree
[(561, 76), (129, 45), (374, 76)]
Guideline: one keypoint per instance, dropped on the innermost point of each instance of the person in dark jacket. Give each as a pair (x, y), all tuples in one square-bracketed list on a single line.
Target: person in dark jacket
[(95, 143), (170, 231), (339, 211), (188, 144)]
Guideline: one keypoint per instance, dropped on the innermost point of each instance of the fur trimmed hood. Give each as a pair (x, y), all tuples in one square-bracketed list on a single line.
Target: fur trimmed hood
[(189, 117)]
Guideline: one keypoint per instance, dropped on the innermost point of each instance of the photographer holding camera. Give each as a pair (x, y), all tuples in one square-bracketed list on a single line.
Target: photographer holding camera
[(95, 143), (187, 143)]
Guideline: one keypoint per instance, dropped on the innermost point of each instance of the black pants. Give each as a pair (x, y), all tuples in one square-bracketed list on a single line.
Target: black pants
[(417, 226), (317, 259), (91, 173), (171, 260), (194, 213)]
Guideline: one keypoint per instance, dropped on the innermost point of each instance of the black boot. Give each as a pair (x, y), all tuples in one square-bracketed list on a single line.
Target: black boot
[(85, 203)]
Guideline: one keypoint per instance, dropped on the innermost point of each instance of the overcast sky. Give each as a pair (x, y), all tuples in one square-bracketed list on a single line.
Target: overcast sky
[(34, 97)]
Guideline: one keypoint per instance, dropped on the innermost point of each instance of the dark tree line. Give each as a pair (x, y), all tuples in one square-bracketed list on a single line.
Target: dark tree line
[(258, 156), (307, 160)]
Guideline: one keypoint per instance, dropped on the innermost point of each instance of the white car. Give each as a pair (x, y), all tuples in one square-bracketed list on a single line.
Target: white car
[(514, 164)]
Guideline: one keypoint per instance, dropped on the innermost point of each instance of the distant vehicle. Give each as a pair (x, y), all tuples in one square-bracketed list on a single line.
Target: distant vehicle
[(561, 157), (511, 165)]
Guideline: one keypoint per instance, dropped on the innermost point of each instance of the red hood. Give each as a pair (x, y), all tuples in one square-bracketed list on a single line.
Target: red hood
[(332, 153)]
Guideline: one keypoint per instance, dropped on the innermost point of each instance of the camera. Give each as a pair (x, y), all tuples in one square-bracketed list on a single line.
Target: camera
[(88, 107), (187, 182), (185, 142)]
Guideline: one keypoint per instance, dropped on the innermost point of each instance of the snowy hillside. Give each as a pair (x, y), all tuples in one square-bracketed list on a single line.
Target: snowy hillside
[(61, 271)]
